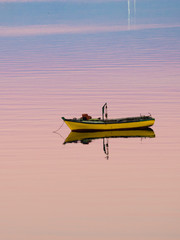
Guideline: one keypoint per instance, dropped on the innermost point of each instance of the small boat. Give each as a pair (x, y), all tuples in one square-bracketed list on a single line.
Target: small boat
[(87, 123)]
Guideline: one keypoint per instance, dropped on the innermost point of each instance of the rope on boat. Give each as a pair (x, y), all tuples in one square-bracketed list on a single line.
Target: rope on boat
[(59, 128), (59, 135)]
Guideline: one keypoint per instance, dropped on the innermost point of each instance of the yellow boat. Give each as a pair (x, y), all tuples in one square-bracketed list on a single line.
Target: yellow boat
[(86, 123), (86, 137)]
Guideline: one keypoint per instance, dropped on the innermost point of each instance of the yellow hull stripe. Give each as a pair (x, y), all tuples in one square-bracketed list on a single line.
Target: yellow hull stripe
[(78, 126)]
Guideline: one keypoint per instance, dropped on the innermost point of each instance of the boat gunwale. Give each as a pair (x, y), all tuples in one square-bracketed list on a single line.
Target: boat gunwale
[(124, 120)]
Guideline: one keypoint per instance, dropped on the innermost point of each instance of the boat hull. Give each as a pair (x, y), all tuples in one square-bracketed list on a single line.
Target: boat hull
[(92, 126)]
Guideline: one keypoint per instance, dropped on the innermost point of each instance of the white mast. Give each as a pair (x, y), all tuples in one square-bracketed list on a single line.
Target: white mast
[(129, 15), (134, 12)]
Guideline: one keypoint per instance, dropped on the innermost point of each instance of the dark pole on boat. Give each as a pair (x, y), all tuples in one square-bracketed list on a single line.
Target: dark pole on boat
[(104, 111), (106, 114)]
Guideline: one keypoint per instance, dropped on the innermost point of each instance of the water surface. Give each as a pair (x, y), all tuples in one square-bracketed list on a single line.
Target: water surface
[(54, 191)]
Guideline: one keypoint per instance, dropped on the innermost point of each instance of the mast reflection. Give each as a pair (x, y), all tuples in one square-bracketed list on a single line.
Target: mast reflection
[(88, 137)]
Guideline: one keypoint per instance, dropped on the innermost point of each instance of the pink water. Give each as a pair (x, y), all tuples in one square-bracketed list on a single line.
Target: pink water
[(55, 191)]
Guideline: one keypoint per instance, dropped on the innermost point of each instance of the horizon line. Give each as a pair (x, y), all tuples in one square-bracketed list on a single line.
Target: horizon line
[(37, 30)]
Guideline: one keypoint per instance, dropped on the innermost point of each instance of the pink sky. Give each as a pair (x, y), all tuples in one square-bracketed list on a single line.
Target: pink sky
[(6, 31)]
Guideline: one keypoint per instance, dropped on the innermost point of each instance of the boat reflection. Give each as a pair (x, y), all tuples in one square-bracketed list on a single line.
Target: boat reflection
[(88, 137)]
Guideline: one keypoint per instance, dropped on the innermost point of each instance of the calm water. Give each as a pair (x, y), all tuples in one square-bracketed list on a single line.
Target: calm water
[(64, 59)]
